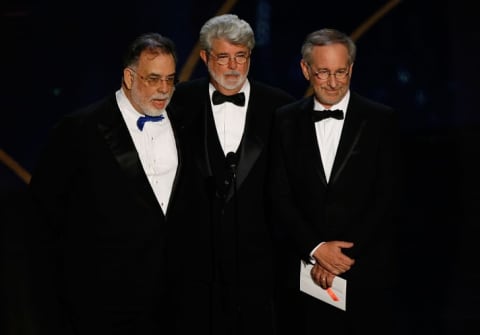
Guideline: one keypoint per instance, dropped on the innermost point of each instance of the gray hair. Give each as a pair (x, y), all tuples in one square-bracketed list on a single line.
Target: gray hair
[(328, 36), (228, 27)]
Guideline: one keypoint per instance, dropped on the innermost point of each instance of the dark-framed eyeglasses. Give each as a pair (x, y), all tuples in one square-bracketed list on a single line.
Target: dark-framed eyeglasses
[(155, 80), (224, 59), (324, 74)]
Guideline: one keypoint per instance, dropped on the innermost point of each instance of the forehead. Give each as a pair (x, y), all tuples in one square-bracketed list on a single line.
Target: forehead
[(156, 62), (223, 46), (330, 56)]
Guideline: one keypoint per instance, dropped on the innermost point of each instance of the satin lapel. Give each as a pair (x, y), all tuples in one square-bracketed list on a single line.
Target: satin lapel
[(252, 143), (310, 141), (353, 128), (251, 149), (201, 153), (117, 138), (177, 128)]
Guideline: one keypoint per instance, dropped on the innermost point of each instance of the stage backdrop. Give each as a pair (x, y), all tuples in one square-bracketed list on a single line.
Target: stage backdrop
[(421, 57)]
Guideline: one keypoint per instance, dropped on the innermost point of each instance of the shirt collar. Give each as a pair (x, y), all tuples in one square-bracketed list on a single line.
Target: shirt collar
[(342, 104), (245, 89), (129, 113)]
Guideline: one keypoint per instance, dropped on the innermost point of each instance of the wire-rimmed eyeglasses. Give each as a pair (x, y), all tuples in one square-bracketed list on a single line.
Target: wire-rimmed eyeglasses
[(324, 74), (154, 80), (224, 59)]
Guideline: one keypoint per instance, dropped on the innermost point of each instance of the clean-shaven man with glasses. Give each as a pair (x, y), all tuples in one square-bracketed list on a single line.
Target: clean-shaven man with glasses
[(334, 179)]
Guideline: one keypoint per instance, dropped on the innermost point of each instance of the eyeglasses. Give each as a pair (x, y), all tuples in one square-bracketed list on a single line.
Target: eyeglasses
[(154, 80), (325, 74), (224, 59)]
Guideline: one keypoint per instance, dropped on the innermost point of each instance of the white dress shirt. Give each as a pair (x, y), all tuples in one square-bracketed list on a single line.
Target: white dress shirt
[(328, 134), (230, 120), (156, 148)]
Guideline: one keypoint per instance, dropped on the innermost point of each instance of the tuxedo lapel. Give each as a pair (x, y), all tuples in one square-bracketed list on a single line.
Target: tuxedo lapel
[(310, 141), (202, 152), (177, 128), (353, 128), (118, 139), (252, 143)]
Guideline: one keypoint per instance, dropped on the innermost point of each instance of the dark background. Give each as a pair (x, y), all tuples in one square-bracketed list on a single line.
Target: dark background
[(421, 58)]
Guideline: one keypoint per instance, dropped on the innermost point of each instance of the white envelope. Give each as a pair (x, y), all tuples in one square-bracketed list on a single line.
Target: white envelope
[(336, 295)]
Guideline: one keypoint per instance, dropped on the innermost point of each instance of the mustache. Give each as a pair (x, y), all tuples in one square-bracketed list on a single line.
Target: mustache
[(232, 73), (161, 96)]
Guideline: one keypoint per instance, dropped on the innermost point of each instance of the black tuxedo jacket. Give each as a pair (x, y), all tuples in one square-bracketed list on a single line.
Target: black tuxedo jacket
[(102, 248), (238, 225), (357, 204)]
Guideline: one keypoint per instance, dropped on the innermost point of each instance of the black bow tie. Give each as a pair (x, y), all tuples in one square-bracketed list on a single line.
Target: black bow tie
[(142, 119), (237, 99), (325, 114)]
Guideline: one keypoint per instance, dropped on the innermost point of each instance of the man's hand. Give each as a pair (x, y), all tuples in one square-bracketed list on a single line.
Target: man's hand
[(330, 262)]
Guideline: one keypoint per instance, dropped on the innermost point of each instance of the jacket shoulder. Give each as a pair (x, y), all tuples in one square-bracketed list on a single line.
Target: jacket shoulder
[(189, 91), (368, 103), (269, 90)]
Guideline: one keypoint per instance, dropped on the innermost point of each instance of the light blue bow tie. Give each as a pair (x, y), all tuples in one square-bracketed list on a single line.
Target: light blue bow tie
[(142, 119)]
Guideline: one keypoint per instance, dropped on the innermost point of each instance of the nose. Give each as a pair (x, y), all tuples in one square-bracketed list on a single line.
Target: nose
[(332, 80), (232, 63), (164, 86)]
